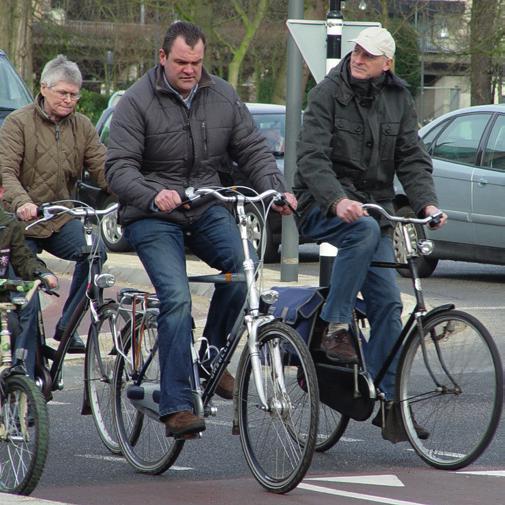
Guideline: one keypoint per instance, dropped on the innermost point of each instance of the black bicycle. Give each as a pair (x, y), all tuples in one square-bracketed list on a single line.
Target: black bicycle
[(24, 428), (100, 351), (276, 395), (449, 376)]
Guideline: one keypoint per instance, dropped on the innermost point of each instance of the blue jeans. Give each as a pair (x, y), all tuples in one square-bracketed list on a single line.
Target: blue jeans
[(68, 243), (359, 244), (214, 238), (23, 324)]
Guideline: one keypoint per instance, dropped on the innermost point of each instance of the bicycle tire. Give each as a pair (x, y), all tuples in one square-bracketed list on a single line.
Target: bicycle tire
[(278, 444), (24, 435), (332, 425), (461, 416), (100, 358), (141, 436)]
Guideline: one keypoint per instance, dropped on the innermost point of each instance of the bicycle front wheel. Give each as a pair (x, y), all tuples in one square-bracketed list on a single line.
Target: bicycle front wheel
[(140, 433), (278, 437), (24, 435), (451, 383)]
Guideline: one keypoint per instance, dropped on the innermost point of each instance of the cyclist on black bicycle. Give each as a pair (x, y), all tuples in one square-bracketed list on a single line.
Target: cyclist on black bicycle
[(15, 252), (178, 126), (359, 131)]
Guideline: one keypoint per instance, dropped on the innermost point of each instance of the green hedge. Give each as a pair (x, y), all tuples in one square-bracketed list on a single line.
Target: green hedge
[(92, 104)]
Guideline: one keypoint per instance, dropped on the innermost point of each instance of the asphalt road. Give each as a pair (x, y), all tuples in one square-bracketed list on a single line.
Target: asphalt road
[(362, 468)]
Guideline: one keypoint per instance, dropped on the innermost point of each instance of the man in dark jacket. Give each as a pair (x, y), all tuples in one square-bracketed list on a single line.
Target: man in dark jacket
[(359, 131), (177, 127)]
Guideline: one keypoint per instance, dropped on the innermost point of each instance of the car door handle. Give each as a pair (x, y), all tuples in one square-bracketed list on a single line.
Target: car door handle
[(482, 182)]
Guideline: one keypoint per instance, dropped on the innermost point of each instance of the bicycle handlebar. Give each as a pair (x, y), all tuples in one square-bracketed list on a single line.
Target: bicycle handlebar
[(49, 211), (279, 199), (430, 220)]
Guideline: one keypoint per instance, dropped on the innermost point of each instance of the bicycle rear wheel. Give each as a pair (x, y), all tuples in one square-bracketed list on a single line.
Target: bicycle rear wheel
[(141, 435), (100, 358), (278, 441), (24, 435), (460, 402)]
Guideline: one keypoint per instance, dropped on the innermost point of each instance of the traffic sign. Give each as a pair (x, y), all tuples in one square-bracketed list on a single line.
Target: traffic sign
[(310, 37)]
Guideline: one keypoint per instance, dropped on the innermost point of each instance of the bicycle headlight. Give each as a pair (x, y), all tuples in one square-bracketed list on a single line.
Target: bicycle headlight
[(425, 247), (269, 297), (103, 281)]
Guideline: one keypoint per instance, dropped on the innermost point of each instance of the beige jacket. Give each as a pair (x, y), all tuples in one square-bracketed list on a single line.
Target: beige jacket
[(40, 160)]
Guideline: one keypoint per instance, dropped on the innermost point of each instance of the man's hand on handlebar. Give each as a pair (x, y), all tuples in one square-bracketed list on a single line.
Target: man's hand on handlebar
[(50, 281), (431, 210), (290, 206), (27, 211), (349, 210), (168, 199)]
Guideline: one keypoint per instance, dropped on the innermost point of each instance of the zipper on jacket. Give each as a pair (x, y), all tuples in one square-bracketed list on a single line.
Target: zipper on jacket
[(204, 136), (57, 132)]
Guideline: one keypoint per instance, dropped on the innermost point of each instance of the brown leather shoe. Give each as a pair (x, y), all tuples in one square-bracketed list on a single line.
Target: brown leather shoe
[(339, 346), (183, 423), (225, 387)]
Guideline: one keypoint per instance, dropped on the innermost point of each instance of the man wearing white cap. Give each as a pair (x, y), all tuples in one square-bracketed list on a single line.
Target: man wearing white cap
[(359, 131)]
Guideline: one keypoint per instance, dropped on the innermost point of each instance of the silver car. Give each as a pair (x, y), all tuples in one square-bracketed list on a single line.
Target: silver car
[(468, 151)]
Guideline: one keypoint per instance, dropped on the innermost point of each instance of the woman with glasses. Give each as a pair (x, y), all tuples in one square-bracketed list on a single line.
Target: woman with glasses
[(44, 147)]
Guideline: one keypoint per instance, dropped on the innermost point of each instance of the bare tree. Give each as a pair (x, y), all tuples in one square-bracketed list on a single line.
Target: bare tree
[(483, 42)]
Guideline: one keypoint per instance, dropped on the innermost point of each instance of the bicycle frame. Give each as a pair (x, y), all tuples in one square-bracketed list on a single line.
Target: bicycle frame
[(251, 320), (93, 299), (419, 312)]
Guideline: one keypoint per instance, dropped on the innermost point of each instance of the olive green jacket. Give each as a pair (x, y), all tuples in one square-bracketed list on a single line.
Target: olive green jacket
[(41, 161), (353, 148), (13, 246)]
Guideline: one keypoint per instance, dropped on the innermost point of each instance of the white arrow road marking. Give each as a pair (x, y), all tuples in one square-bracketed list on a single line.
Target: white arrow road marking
[(487, 473), (358, 496), (372, 480), (121, 459)]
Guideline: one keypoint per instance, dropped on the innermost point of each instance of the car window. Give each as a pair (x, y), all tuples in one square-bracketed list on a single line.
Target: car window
[(459, 142), (13, 92), (273, 127), (105, 132), (432, 134), (494, 156)]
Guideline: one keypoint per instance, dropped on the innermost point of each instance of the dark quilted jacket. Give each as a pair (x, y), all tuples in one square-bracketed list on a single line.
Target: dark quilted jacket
[(157, 143)]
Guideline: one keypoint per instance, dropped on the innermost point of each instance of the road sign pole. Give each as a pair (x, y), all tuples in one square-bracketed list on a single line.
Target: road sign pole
[(290, 240), (334, 24)]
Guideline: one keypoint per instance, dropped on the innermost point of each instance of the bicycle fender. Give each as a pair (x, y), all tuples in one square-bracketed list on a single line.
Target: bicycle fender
[(439, 309)]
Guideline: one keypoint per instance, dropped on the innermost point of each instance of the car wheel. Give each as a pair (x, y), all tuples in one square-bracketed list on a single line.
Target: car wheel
[(112, 232), (425, 264), (255, 234)]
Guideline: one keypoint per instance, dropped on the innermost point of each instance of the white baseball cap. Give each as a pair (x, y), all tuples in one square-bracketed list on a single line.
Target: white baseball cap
[(376, 41)]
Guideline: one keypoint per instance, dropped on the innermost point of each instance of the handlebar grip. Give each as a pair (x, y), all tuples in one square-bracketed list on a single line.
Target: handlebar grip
[(435, 220)]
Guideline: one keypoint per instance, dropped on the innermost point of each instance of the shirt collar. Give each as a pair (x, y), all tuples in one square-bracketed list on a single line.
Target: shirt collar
[(187, 101)]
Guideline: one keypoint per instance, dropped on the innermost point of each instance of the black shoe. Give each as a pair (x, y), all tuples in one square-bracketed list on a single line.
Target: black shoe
[(394, 430), (339, 346), (76, 345)]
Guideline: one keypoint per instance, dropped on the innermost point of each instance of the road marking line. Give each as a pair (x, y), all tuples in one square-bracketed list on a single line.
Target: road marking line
[(372, 480), (358, 496), (121, 459), (497, 307), (486, 473), (53, 402)]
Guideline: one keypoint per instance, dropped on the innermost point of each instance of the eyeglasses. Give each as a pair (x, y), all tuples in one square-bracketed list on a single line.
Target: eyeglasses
[(66, 94)]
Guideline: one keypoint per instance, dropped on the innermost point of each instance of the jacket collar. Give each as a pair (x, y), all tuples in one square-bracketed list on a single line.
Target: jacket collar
[(39, 107), (160, 86), (344, 91)]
